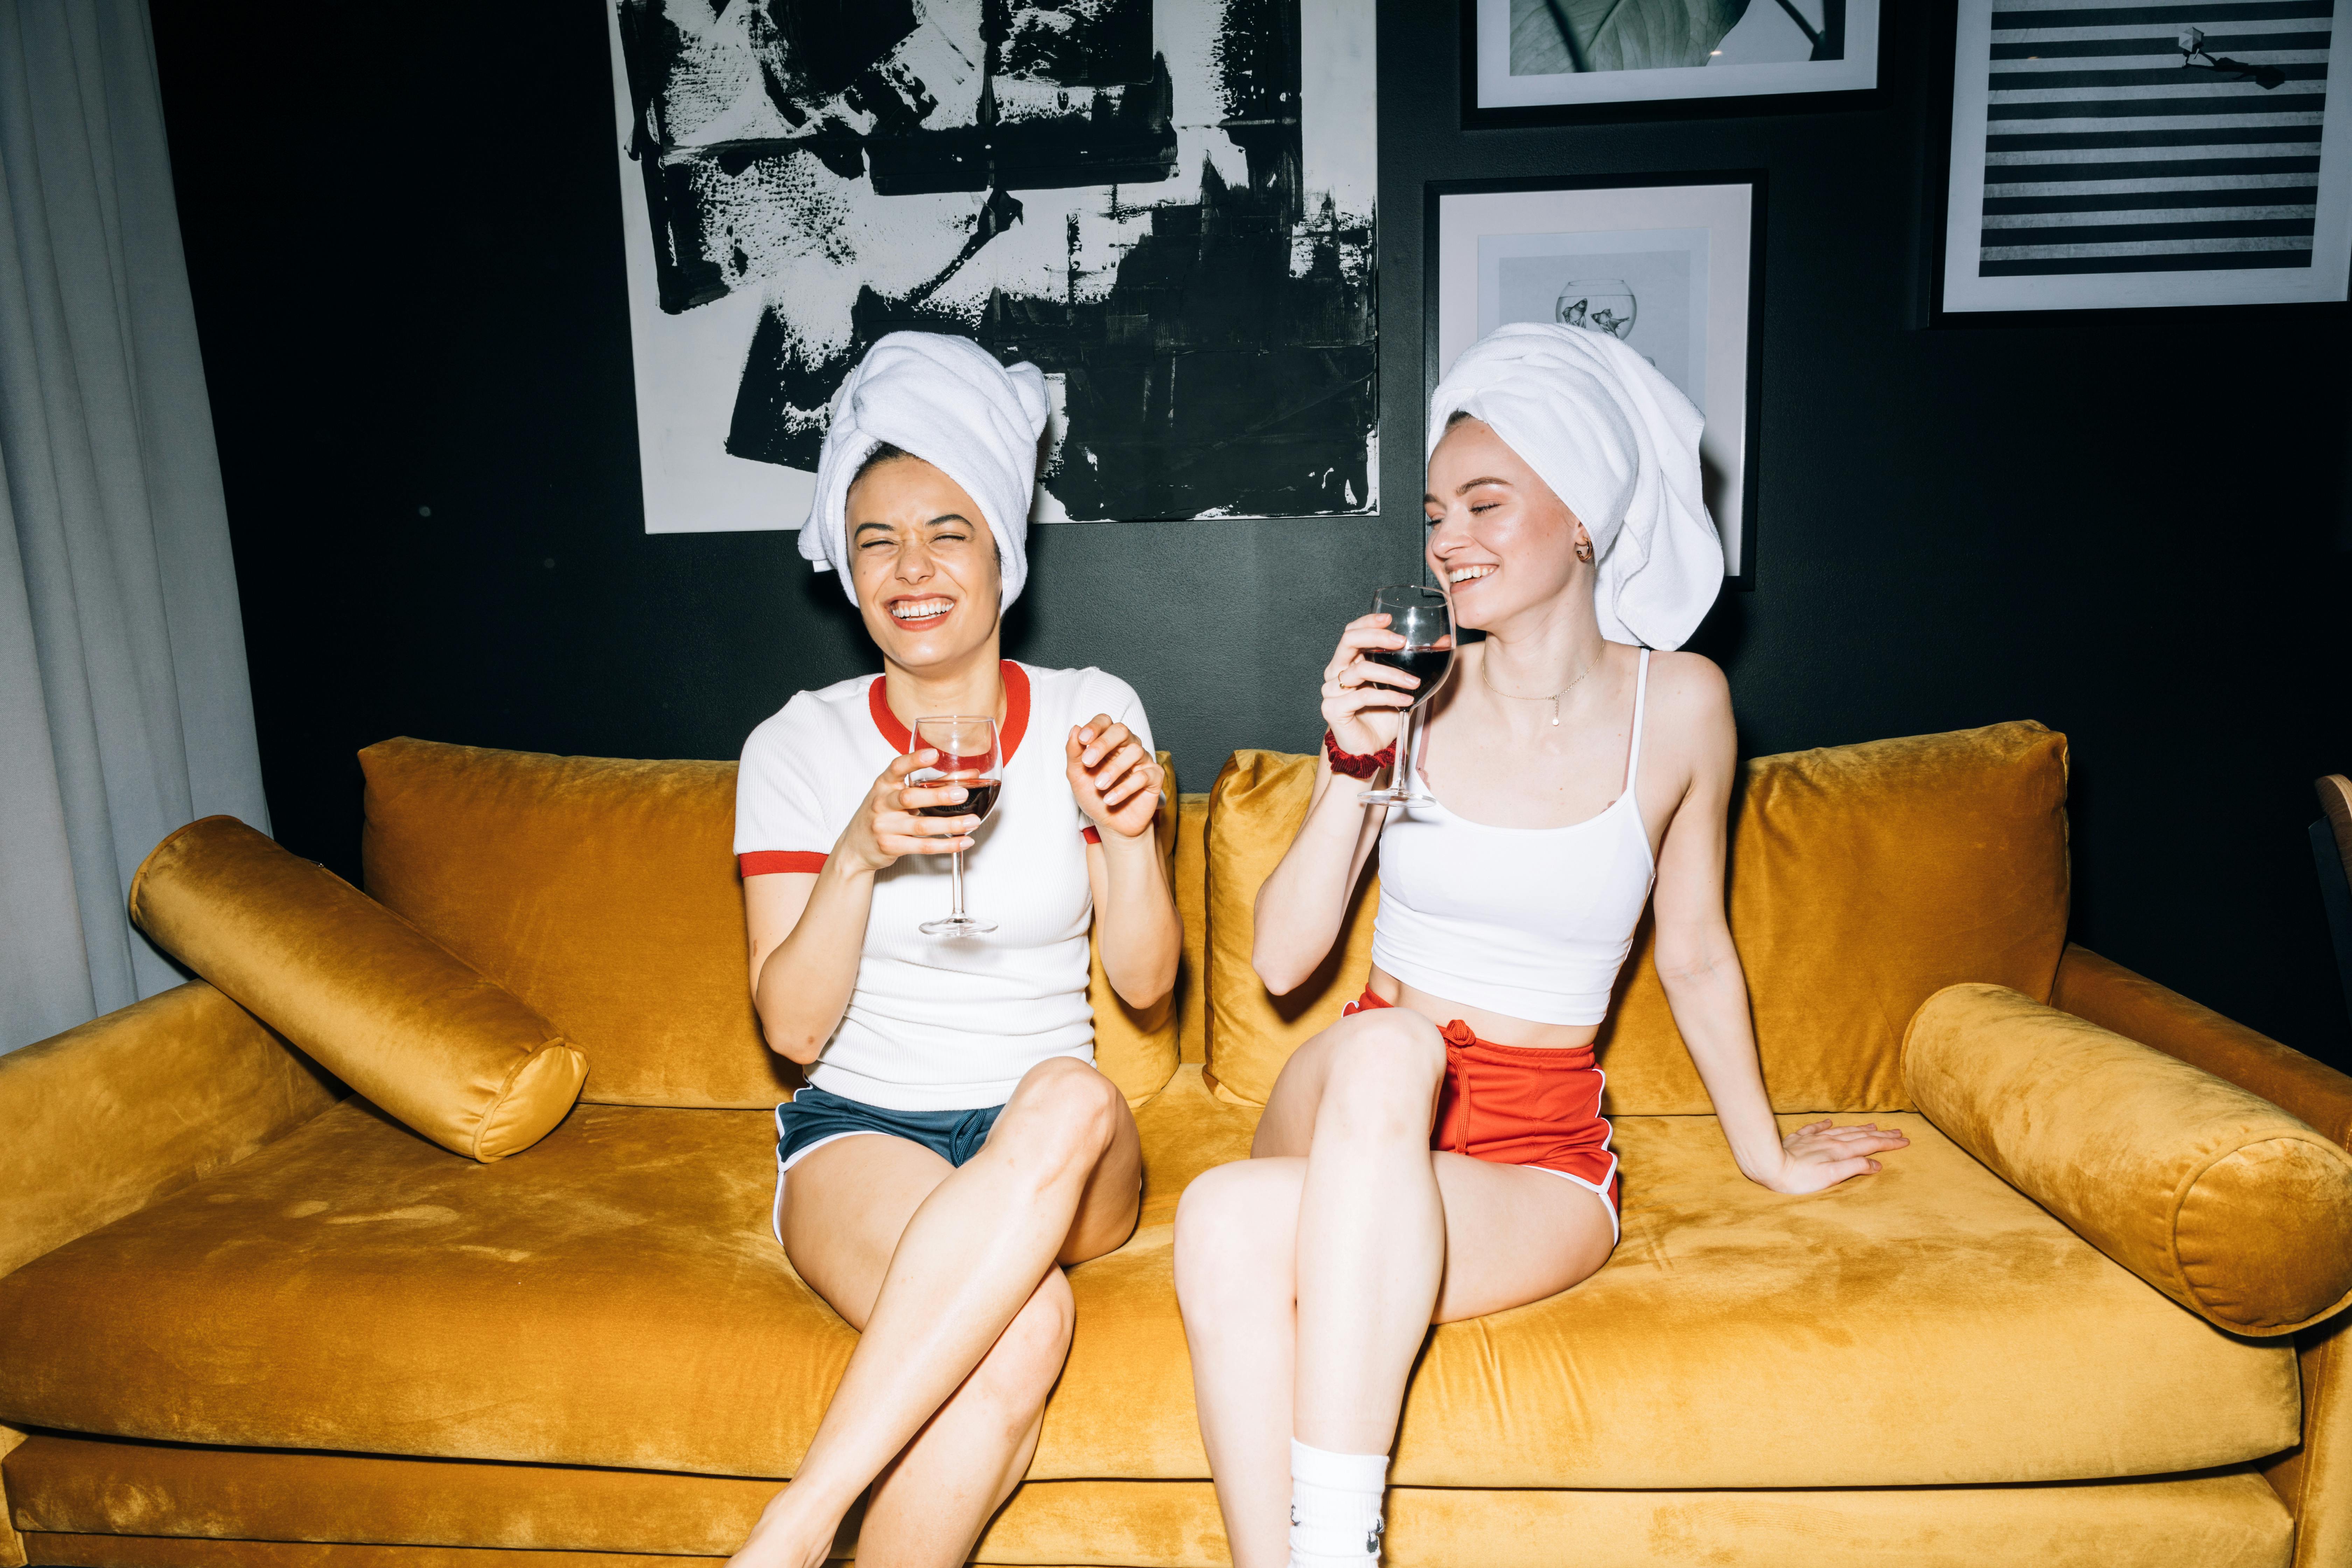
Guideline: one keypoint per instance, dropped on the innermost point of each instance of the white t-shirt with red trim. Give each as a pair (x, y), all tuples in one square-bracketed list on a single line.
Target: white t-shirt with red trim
[(940, 1023)]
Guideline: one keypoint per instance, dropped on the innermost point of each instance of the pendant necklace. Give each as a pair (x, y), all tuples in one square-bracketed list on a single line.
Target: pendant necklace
[(1553, 698)]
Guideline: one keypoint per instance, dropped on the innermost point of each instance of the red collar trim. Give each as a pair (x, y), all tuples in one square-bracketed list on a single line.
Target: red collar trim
[(1008, 734)]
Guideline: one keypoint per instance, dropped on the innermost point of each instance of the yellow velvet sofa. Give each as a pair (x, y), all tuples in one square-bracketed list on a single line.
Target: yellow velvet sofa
[(248, 1319)]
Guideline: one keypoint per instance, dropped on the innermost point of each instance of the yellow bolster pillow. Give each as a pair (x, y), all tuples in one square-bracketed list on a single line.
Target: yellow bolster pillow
[(452, 1054), (2214, 1196)]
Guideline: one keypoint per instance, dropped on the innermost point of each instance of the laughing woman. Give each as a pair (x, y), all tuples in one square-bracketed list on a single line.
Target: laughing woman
[(955, 1146), (1439, 1153)]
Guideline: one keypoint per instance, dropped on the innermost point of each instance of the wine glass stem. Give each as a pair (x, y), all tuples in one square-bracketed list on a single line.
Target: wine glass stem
[(1407, 774), (956, 882)]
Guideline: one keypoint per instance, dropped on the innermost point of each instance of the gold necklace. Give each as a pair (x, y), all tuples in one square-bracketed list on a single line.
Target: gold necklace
[(1553, 698)]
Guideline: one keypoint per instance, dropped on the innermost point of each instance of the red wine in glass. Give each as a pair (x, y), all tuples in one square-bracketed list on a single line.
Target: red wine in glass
[(1428, 663), (979, 799)]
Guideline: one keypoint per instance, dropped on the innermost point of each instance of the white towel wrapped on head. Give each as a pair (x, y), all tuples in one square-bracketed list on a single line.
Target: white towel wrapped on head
[(1619, 443), (949, 402)]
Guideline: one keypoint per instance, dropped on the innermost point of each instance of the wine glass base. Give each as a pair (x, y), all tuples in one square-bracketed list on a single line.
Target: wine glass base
[(957, 925), (1393, 797)]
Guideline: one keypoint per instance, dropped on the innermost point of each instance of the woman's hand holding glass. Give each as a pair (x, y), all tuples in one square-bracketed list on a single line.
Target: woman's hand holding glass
[(1364, 703), (887, 826), (1116, 781)]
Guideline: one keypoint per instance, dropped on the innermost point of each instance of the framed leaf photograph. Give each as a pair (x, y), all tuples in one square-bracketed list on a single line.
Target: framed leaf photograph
[(1537, 61)]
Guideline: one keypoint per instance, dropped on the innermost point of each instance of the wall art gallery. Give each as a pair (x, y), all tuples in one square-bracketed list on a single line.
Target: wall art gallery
[(1167, 204)]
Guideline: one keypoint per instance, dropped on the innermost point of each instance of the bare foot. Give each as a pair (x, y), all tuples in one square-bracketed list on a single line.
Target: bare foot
[(785, 1538)]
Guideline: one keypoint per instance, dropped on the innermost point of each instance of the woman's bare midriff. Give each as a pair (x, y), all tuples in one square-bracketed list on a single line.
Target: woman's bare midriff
[(1496, 1027)]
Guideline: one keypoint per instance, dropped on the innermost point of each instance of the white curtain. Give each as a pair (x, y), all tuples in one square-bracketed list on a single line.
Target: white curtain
[(124, 709)]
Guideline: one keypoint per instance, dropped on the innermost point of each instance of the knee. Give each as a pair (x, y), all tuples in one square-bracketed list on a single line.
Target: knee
[(1385, 1071), (1233, 1235), (1068, 1110), (1028, 1356)]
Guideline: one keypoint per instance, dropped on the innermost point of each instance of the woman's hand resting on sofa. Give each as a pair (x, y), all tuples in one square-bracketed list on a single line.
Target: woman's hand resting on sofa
[(1821, 1154)]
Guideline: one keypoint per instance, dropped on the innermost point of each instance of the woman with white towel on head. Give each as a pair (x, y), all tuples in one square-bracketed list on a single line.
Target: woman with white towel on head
[(1439, 1152), (955, 1146)]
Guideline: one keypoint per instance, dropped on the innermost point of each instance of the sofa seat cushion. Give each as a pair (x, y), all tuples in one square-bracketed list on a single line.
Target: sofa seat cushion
[(616, 1300)]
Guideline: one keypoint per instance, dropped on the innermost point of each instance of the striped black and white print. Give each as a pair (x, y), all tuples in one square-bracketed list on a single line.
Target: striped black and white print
[(2123, 140)]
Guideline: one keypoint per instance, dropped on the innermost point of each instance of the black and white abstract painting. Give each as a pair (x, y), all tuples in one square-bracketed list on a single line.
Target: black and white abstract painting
[(2110, 155), (1534, 53), (1167, 206), (1668, 269)]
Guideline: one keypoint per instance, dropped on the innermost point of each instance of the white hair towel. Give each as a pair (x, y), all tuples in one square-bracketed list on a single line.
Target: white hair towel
[(949, 402), (1619, 443)]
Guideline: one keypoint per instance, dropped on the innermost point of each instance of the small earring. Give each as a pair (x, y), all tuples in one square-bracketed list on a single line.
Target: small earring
[(1584, 551)]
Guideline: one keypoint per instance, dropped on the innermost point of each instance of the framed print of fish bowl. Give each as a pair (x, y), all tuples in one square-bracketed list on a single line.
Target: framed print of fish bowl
[(1546, 60), (1670, 265)]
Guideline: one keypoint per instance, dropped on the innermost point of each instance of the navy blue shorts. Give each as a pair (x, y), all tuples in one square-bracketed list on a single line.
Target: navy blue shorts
[(813, 1118)]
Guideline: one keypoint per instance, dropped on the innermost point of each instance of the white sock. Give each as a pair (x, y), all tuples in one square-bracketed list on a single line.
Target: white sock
[(1335, 1507)]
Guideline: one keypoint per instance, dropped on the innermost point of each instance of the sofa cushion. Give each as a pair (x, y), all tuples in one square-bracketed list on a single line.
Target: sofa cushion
[(616, 1300), (384, 1007), (196, 1499), (1863, 880), (604, 892), (2213, 1195)]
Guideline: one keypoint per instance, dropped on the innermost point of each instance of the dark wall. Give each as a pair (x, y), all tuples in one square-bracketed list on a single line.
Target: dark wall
[(402, 226)]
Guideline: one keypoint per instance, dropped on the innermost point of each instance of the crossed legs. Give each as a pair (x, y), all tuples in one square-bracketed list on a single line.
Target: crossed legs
[(950, 1276), (1309, 1273)]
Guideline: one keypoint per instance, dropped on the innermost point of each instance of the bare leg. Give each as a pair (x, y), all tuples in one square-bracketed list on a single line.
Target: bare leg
[(932, 1503), (1057, 1182), (1503, 1237), (1236, 1278), (1372, 1227)]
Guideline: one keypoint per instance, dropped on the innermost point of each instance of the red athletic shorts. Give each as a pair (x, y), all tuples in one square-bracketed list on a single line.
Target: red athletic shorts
[(1521, 1105)]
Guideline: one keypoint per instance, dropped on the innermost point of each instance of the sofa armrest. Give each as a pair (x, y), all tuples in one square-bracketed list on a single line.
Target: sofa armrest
[(101, 1121), (2137, 1008), (2210, 1193)]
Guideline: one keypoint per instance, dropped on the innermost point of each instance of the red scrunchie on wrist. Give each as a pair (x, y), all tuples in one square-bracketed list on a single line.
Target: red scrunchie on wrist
[(1354, 766)]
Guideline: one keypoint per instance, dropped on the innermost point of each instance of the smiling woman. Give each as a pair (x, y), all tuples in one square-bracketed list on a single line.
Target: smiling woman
[(955, 1145)]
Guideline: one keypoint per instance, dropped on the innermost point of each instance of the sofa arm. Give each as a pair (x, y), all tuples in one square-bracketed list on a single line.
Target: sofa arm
[(101, 1121), (2210, 1193), (2137, 1008)]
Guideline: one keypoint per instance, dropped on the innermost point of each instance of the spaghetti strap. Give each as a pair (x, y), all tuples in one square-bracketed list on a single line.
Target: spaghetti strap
[(1640, 700)]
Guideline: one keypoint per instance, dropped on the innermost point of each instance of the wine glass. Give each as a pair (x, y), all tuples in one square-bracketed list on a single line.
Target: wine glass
[(1424, 618), (968, 755)]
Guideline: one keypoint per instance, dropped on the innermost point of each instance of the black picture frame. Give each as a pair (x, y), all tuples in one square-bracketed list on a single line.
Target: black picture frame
[(1433, 286), (1634, 112), (1940, 60)]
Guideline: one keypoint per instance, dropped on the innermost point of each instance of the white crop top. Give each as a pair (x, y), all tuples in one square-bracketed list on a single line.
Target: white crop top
[(1532, 922)]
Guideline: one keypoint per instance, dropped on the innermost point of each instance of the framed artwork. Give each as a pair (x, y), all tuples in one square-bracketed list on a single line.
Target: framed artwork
[(2113, 156), (1531, 61), (1673, 265), (1167, 206)]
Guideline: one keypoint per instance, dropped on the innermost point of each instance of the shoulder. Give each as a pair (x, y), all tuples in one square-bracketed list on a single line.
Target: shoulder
[(812, 720), (1690, 703), (1081, 693), (1689, 681)]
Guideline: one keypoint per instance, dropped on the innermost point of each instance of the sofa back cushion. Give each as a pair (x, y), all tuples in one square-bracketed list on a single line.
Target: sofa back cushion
[(604, 892), (1863, 879)]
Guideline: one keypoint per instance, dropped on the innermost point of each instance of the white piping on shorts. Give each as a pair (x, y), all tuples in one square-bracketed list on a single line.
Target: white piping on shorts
[(776, 1204), (1597, 1189)]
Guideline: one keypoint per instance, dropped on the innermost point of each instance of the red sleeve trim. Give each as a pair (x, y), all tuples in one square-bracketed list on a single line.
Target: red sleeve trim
[(1089, 834), (766, 862)]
